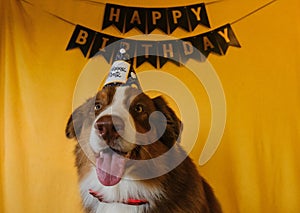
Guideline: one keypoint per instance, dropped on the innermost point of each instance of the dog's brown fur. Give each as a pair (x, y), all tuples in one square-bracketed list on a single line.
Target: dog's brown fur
[(185, 190)]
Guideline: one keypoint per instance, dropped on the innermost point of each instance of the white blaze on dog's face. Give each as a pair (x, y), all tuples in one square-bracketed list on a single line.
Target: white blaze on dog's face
[(116, 112)]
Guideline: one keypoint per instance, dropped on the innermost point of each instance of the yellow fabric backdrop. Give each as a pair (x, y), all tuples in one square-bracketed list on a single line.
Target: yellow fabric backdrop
[(256, 167)]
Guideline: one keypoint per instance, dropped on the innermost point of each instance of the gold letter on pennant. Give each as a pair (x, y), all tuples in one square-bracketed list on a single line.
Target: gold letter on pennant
[(187, 48), (168, 50), (155, 16), (224, 34), (135, 17), (105, 40), (112, 14), (207, 43), (197, 13), (176, 15), (82, 36), (147, 46)]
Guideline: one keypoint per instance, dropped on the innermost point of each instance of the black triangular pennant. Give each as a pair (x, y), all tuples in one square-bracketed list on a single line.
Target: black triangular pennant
[(177, 17), (114, 15), (226, 37), (136, 17), (82, 38), (197, 15), (207, 43), (168, 51), (157, 18), (188, 50), (103, 45), (146, 51)]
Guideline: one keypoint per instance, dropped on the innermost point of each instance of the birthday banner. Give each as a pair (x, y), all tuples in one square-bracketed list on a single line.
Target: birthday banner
[(148, 19), (157, 53)]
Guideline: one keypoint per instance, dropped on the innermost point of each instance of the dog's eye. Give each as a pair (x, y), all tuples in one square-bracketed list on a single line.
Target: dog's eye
[(139, 108), (97, 107)]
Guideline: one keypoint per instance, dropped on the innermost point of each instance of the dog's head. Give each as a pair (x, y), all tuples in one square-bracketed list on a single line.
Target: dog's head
[(122, 123)]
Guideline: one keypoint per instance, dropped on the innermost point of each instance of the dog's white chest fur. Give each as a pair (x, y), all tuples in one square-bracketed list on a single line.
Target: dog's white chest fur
[(121, 192)]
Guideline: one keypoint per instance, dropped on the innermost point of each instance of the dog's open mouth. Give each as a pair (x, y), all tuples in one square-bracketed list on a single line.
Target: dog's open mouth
[(111, 165)]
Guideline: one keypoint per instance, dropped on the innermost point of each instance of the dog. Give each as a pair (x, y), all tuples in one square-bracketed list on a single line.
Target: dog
[(129, 157)]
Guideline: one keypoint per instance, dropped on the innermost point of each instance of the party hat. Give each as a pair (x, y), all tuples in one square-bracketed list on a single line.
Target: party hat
[(122, 72)]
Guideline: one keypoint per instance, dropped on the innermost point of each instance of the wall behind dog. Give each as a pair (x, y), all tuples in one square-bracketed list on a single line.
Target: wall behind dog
[(255, 168)]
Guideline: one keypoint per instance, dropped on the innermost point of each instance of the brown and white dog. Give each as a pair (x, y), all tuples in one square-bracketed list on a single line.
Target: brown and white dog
[(135, 162)]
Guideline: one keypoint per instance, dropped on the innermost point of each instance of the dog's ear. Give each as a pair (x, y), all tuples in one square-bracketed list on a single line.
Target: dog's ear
[(174, 127), (76, 120), (70, 131)]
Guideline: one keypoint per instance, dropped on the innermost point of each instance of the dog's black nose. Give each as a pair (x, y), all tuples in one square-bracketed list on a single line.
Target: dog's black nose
[(109, 127)]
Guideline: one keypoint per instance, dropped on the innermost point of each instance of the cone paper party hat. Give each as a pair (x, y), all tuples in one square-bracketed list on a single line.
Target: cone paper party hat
[(121, 72)]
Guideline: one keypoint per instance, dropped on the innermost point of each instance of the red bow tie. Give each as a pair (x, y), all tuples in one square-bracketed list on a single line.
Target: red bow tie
[(130, 201)]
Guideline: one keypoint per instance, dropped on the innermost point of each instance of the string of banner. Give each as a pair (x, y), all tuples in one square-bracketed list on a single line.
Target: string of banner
[(146, 20)]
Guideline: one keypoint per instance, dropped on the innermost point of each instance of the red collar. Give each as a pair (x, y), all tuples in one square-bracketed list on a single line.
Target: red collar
[(130, 201)]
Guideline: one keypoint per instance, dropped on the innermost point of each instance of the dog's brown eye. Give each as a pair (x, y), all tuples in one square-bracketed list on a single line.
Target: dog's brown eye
[(97, 107), (139, 108)]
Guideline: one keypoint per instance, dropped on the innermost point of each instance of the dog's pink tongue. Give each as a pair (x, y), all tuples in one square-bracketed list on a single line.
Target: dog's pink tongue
[(110, 168)]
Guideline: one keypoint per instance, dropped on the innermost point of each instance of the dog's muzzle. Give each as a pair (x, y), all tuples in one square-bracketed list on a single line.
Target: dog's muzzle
[(109, 128)]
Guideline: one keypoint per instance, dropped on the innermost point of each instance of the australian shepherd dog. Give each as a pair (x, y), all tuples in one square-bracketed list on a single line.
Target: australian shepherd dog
[(129, 157)]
